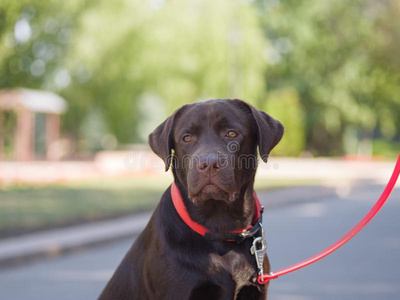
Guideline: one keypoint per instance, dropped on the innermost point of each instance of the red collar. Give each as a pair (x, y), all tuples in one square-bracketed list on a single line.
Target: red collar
[(200, 229)]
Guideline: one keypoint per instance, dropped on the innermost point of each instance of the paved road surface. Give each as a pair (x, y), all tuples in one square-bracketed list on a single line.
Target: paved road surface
[(367, 268)]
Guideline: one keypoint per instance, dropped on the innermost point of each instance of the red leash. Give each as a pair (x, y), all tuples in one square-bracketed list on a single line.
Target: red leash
[(356, 229)]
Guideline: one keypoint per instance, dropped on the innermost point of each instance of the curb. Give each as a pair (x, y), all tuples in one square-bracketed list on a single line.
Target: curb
[(53, 242)]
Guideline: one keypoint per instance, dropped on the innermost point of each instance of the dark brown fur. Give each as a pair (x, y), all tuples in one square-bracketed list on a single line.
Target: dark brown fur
[(169, 260)]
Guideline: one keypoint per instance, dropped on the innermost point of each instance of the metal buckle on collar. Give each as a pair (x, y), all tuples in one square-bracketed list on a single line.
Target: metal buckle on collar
[(258, 249), (240, 237)]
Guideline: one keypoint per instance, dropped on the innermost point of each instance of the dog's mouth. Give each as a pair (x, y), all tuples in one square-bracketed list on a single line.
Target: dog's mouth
[(212, 191)]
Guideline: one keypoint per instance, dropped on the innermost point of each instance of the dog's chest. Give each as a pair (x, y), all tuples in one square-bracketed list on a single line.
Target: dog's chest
[(238, 266)]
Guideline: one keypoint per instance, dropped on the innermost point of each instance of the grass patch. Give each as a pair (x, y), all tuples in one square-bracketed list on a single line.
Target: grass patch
[(25, 208)]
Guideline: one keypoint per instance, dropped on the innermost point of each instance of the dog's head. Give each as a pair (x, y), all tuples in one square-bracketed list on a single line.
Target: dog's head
[(215, 146)]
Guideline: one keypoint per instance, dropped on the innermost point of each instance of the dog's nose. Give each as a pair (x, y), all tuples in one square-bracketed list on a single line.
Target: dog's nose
[(209, 163)]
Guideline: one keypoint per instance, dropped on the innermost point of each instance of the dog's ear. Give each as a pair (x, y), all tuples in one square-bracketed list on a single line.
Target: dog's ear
[(269, 130), (161, 139)]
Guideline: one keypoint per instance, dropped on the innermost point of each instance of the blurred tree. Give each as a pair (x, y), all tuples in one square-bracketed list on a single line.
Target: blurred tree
[(109, 55), (341, 58), (284, 105), (135, 61), (178, 51), (36, 38)]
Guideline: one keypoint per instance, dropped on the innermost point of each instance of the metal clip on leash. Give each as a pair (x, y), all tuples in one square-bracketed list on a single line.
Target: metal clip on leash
[(258, 249)]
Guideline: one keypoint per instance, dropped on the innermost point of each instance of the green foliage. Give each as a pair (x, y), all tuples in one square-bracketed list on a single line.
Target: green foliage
[(386, 149), (108, 55), (284, 105), (123, 57), (340, 57), (180, 53), (35, 35)]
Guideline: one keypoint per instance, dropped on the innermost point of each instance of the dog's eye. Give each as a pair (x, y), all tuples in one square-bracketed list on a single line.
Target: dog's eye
[(232, 134), (187, 138)]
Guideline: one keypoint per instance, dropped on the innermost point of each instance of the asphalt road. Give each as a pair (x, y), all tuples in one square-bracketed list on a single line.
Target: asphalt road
[(366, 268)]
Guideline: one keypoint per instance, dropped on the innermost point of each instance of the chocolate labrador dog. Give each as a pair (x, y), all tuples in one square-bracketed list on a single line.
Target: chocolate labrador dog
[(199, 243)]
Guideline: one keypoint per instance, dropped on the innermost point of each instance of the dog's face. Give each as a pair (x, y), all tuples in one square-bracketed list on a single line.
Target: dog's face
[(215, 144)]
